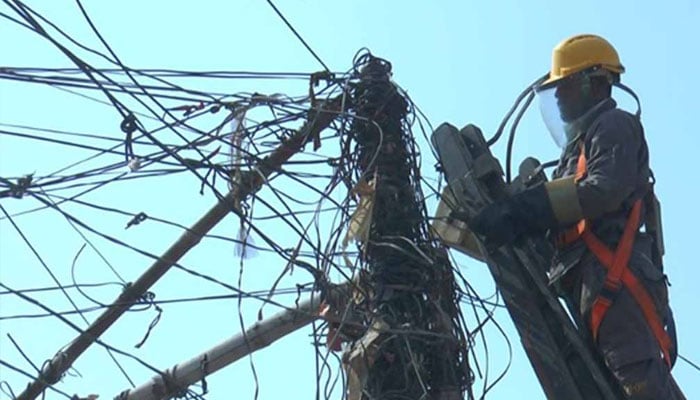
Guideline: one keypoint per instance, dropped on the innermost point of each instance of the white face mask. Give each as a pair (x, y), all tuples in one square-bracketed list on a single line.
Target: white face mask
[(551, 116), (562, 132)]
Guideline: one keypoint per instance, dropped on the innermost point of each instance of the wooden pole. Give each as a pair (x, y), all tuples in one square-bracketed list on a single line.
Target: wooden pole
[(52, 371), (261, 334)]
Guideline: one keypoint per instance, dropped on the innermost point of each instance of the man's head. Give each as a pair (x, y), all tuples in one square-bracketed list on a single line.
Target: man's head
[(583, 71), (584, 67), (579, 93)]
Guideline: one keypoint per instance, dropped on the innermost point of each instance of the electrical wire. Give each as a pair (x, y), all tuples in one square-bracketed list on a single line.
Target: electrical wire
[(56, 281), (32, 377), (299, 200), (692, 364), (298, 36)]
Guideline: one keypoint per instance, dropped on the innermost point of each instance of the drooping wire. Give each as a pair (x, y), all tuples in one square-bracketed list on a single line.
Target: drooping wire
[(129, 124), (510, 112), (511, 136), (285, 203), (77, 329), (65, 293)]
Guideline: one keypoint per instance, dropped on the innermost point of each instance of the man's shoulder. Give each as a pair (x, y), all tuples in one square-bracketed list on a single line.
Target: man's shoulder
[(616, 123), (615, 116)]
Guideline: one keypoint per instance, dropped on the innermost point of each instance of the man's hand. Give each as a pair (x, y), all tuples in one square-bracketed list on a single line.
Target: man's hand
[(526, 213), (496, 224)]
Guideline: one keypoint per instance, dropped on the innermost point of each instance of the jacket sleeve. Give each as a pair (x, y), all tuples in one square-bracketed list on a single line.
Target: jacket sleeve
[(612, 146)]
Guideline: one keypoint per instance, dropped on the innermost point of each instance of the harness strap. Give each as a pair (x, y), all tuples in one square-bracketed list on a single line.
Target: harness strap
[(618, 272)]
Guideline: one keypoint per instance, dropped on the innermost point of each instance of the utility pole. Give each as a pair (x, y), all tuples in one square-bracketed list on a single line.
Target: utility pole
[(319, 118), (175, 380), (414, 346)]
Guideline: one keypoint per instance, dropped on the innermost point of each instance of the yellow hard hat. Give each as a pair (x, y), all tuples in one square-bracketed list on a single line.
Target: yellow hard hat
[(579, 53)]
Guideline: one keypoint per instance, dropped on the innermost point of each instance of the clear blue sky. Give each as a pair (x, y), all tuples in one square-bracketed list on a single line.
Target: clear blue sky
[(461, 61)]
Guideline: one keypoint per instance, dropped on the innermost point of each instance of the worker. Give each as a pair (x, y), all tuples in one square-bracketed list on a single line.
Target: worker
[(592, 210)]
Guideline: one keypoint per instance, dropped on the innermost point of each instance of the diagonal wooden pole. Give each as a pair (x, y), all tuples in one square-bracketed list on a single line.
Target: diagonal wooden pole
[(319, 119), (259, 335)]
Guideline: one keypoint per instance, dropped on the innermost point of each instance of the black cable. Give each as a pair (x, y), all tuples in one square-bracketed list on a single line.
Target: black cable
[(510, 112), (511, 136), (75, 281), (294, 31), (692, 364), (251, 295), (283, 112), (117, 61), (125, 113), (32, 377), (115, 146), (111, 85), (170, 73), (77, 329), (39, 258), (55, 279), (56, 141), (23, 354), (68, 133), (158, 156), (155, 257), (55, 288), (118, 165), (7, 390), (151, 218)]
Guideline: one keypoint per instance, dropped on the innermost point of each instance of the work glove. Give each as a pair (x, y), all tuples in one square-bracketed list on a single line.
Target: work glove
[(524, 214)]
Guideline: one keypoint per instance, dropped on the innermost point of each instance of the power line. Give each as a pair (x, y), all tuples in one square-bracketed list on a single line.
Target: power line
[(692, 364), (28, 375), (288, 207), (77, 329), (294, 31), (63, 290)]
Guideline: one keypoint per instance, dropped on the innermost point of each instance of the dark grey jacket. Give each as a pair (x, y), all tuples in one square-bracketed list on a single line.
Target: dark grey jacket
[(617, 175), (618, 166)]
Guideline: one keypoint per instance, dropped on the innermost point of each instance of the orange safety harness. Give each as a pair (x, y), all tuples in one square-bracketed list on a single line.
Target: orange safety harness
[(616, 264)]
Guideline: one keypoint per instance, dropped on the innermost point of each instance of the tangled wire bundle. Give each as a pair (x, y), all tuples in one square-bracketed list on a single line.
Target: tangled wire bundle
[(411, 277), (173, 146)]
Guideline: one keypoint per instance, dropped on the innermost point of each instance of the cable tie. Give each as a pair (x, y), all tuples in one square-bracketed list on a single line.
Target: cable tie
[(128, 125), (88, 397), (148, 298), (204, 365), (17, 191), (134, 164), (192, 109), (137, 219)]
